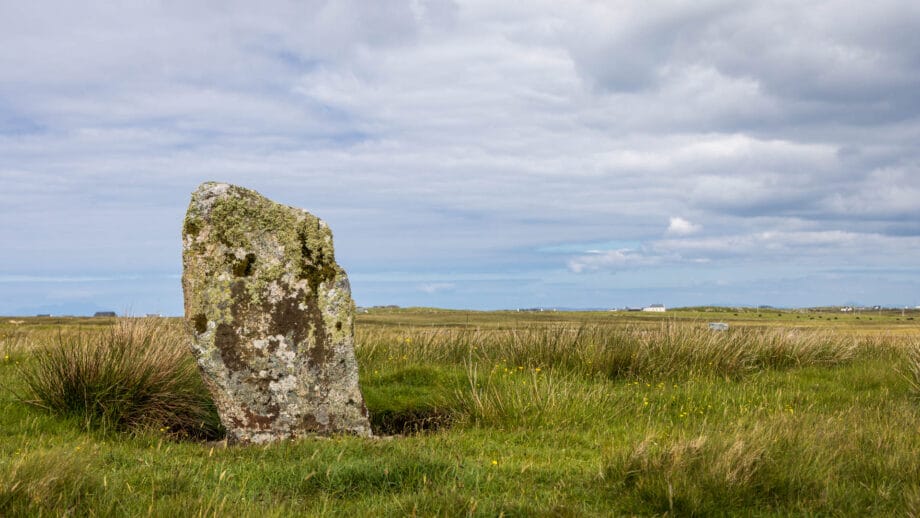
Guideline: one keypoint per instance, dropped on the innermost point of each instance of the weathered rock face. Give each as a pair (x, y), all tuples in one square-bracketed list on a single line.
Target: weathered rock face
[(272, 317)]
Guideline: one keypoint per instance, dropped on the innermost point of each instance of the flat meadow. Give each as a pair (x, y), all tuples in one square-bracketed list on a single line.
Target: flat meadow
[(485, 414)]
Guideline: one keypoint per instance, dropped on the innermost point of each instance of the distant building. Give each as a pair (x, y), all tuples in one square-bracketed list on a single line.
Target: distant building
[(657, 308), (846, 309), (105, 314), (718, 326)]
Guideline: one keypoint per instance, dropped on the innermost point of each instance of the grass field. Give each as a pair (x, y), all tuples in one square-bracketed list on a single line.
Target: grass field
[(523, 414)]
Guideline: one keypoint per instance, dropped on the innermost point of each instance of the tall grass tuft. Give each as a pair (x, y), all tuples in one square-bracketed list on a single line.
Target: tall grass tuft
[(133, 376), (13, 345), (912, 374), (512, 397)]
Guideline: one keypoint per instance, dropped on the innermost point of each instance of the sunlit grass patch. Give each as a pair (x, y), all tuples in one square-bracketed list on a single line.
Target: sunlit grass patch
[(781, 462), (47, 482), (409, 399), (556, 419), (701, 474)]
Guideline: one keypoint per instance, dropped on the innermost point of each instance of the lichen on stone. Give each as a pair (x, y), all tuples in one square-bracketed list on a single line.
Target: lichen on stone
[(272, 316)]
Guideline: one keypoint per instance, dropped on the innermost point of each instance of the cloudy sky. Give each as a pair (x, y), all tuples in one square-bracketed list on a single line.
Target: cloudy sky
[(471, 154)]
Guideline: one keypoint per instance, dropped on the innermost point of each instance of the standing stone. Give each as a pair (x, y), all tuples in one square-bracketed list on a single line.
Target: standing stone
[(272, 317)]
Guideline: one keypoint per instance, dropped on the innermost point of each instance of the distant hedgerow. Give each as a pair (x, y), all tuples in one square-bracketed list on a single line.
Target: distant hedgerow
[(135, 375)]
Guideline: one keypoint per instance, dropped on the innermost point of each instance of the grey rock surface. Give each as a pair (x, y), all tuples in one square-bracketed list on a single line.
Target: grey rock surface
[(272, 317)]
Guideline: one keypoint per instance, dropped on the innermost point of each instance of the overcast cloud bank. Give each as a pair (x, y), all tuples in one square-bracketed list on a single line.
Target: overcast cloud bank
[(471, 154)]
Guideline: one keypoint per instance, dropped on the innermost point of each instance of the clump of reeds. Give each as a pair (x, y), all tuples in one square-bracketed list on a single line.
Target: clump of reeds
[(672, 349), (133, 376), (680, 350)]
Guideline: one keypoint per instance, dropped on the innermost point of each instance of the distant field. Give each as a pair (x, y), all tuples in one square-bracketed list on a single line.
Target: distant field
[(863, 321), (525, 414), (867, 320)]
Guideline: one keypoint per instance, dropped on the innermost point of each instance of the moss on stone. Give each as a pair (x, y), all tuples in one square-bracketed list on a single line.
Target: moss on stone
[(238, 220)]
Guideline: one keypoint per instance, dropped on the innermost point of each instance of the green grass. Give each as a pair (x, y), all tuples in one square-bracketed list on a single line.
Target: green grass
[(527, 415)]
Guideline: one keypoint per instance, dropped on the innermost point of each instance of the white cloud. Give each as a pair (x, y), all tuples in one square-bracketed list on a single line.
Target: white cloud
[(609, 260), (800, 247), (681, 227), (436, 287), (765, 248)]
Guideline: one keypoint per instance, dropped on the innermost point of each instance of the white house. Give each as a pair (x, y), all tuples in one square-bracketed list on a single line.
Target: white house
[(657, 308)]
